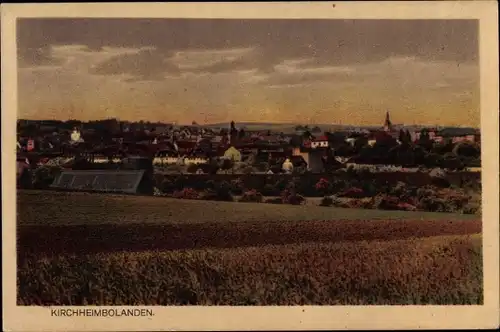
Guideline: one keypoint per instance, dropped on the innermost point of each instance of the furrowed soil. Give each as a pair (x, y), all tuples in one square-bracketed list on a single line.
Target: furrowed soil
[(76, 249)]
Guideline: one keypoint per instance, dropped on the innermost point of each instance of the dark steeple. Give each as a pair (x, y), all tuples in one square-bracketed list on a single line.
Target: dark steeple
[(387, 123)]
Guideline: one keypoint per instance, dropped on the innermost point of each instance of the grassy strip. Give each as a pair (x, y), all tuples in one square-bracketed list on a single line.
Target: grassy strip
[(436, 270), (70, 208)]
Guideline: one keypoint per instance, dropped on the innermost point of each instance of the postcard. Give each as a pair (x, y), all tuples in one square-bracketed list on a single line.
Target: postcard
[(250, 166)]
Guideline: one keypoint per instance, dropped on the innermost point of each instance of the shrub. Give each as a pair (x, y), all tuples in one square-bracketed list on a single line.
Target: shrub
[(236, 186), (426, 191), (269, 190), (399, 189), (291, 197), (186, 193), (174, 169), (276, 200), (440, 182), (455, 200), (369, 189), (262, 166), (470, 209), (249, 170), (432, 204), (192, 168), (157, 192), (388, 203), (167, 186), (44, 176), (323, 186), (326, 201), (210, 184), (252, 196), (353, 193), (221, 192), (299, 170), (406, 207), (281, 185)]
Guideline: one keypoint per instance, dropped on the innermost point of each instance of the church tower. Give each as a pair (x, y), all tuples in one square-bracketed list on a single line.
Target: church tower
[(387, 123)]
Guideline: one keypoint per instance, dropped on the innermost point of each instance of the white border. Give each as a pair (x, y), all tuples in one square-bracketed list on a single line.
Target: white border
[(269, 318)]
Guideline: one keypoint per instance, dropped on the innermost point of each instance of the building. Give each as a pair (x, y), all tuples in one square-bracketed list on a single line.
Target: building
[(389, 129)]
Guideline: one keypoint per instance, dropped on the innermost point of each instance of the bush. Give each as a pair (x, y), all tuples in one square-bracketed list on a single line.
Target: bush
[(237, 187), (406, 207), (323, 186), (249, 170), (221, 192), (167, 186), (456, 200), (251, 196), (174, 169), (326, 201), (353, 193), (470, 209), (186, 193), (262, 166), (432, 204), (290, 197), (388, 203), (192, 168), (399, 189), (157, 192), (426, 191), (44, 176), (210, 184), (299, 170), (269, 190), (369, 189), (276, 200)]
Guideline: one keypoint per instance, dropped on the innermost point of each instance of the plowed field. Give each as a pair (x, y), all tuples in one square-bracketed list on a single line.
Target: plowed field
[(76, 248)]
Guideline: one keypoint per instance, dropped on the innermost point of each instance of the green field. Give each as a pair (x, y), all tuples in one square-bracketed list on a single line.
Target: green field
[(63, 208), (77, 249)]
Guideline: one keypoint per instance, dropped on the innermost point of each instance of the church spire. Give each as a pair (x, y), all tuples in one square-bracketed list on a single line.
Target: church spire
[(387, 123)]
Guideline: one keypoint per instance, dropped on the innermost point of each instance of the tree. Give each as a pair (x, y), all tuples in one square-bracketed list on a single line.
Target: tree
[(404, 137), (451, 161), (307, 135), (241, 133), (360, 143), (408, 136), (299, 128), (425, 141), (467, 150), (432, 160), (316, 129), (443, 147), (344, 150)]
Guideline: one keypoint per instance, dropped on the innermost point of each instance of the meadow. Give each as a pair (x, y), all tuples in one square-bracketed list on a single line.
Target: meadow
[(78, 248)]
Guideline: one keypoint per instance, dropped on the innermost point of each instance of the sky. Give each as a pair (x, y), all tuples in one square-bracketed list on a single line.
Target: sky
[(216, 70)]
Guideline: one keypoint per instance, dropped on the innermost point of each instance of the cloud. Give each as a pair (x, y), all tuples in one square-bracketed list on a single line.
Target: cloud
[(145, 64), (34, 57), (180, 69), (195, 59)]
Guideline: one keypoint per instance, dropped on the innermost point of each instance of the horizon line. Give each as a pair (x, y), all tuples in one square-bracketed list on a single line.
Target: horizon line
[(173, 123)]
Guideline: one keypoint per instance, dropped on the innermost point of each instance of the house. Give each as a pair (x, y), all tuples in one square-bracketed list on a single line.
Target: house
[(466, 138), (233, 154), (312, 156), (320, 142)]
